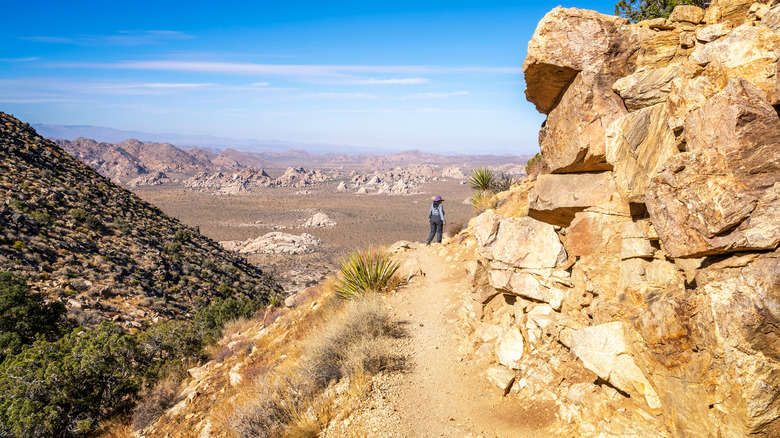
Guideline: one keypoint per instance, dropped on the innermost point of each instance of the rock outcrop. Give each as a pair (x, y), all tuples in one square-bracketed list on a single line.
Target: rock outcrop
[(319, 220), (274, 242), (650, 253)]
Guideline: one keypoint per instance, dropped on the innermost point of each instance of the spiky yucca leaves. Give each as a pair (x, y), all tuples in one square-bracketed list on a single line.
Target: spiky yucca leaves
[(364, 271), (482, 179)]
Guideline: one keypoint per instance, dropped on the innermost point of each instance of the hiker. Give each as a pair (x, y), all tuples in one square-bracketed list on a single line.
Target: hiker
[(436, 219)]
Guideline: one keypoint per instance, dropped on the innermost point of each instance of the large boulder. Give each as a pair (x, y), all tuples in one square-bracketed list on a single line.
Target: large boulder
[(713, 353), (646, 87), (568, 41), (604, 350), (555, 199), (750, 52), (723, 195), (637, 145), (520, 243), (573, 137)]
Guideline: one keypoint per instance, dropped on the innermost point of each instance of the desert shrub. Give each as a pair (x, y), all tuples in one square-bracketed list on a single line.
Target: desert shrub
[(503, 182), (63, 388), (19, 245), (453, 228), (269, 406), (482, 200), (364, 271), (156, 402), (481, 179), (210, 320), (173, 248), (24, 315), (182, 235), (534, 166), (42, 218), (354, 341)]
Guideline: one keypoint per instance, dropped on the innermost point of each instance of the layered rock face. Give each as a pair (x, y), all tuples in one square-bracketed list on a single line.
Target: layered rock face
[(650, 252)]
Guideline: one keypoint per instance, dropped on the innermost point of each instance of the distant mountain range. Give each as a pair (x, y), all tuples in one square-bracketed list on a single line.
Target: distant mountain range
[(129, 159), (110, 135)]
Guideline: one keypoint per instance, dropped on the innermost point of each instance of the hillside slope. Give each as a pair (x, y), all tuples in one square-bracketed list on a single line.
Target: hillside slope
[(98, 248)]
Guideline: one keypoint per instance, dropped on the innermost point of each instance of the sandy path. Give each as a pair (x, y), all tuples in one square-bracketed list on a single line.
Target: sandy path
[(444, 393)]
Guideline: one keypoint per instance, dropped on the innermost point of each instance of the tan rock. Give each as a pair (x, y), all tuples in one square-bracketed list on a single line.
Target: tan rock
[(557, 198), (646, 87), (637, 145), (603, 350), (567, 41), (573, 137), (734, 11), (698, 211), (688, 92), (524, 284), (510, 348), (749, 52), (713, 32), (501, 377), (660, 49), (701, 200), (705, 348), (687, 14), (657, 24), (521, 243)]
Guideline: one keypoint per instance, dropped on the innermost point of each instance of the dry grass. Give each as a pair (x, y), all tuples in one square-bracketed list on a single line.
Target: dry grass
[(453, 228), (355, 341), (322, 372), (115, 428), (156, 402)]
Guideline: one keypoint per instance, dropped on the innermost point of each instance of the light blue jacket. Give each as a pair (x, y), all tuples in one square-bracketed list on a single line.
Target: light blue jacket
[(436, 210)]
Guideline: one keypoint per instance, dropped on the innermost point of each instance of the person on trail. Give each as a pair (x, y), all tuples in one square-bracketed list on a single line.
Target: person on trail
[(436, 219)]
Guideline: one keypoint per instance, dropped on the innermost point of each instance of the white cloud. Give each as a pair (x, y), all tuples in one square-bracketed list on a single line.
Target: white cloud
[(121, 38), (300, 70), (434, 95), (27, 59), (391, 81), (339, 96)]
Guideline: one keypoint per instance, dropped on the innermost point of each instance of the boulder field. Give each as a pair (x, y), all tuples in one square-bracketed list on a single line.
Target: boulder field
[(648, 251)]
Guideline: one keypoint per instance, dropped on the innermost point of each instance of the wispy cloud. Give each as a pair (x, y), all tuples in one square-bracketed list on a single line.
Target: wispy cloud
[(27, 59), (287, 69), (434, 95), (121, 38), (391, 81), (338, 96)]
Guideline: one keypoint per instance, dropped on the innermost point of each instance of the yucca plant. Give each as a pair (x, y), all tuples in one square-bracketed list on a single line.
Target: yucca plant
[(481, 179), (364, 271)]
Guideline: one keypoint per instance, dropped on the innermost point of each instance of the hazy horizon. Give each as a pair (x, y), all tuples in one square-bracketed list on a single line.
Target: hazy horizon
[(440, 77)]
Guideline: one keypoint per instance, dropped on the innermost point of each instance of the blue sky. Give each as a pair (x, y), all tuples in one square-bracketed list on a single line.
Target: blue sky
[(440, 76)]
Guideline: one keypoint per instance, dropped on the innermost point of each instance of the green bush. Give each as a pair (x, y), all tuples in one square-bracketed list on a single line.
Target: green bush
[(210, 320), (24, 315), (362, 272), (63, 388), (66, 386)]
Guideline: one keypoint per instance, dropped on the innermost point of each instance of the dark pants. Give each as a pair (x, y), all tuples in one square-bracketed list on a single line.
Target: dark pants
[(436, 228)]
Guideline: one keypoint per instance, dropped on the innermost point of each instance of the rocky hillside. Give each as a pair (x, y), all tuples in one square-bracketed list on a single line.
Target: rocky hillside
[(650, 251), (98, 248)]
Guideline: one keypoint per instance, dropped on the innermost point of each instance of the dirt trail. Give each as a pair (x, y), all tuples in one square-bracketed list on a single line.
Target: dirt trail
[(445, 393)]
